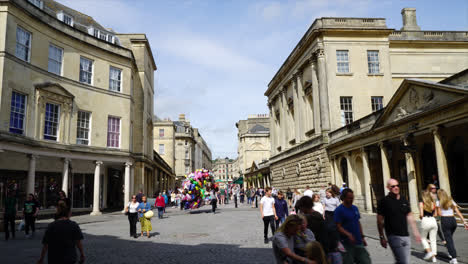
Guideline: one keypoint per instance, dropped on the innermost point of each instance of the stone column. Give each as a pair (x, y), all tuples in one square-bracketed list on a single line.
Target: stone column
[(350, 182), (297, 118), (323, 90), (127, 183), (284, 121), (338, 176), (97, 188), (66, 166), (442, 168), (301, 109), (315, 96), (411, 176), (332, 170), (385, 166), (31, 174), (367, 180), (272, 129)]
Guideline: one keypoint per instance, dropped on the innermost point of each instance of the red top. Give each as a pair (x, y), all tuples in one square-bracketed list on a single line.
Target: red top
[(160, 202)]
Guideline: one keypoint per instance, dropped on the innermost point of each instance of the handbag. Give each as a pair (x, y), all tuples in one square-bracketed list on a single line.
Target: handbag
[(128, 209)]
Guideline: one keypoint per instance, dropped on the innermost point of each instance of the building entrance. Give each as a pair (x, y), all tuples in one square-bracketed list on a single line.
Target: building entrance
[(115, 189), (458, 168)]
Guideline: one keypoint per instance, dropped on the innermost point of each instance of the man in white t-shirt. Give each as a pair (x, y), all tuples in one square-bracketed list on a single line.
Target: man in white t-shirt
[(308, 192), (267, 209)]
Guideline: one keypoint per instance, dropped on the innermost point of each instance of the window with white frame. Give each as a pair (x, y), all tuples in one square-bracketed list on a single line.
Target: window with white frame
[(161, 132), (377, 103), (17, 113), (161, 149), (342, 61), (86, 70), (37, 3), (113, 132), (115, 79), (51, 124), (82, 128), (23, 44), (67, 19), (373, 61), (55, 59), (346, 105)]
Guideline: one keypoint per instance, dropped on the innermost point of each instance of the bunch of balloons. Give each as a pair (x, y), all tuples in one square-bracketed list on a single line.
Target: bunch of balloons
[(197, 185)]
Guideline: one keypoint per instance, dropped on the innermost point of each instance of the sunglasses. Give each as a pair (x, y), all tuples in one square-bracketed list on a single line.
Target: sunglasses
[(393, 186), (433, 188)]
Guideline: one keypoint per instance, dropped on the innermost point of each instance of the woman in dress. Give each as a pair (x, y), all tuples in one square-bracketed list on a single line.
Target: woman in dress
[(144, 207), (427, 211), (131, 211), (446, 209)]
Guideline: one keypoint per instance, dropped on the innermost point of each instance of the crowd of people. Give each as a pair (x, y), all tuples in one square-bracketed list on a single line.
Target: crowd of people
[(325, 227)]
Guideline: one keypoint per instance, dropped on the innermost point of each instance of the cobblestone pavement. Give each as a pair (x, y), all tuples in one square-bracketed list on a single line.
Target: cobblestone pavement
[(230, 236)]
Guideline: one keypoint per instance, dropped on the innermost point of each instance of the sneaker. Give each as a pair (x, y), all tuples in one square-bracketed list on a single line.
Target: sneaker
[(453, 261), (265, 241), (428, 256), (434, 260)]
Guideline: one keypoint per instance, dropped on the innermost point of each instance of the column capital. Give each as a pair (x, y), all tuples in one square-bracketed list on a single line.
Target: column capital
[(436, 130), (33, 156), (66, 160), (128, 164), (98, 162)]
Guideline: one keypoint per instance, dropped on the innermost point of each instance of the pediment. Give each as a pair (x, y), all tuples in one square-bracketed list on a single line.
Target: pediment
[(415, 97), (54, 88)]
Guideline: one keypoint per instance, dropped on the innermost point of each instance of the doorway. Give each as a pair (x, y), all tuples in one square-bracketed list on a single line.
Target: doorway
[(344, 170), (115, 189), (458, 169)]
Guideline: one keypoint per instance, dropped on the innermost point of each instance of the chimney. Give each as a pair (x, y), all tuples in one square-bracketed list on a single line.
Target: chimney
[(182, 117), (409, 20)]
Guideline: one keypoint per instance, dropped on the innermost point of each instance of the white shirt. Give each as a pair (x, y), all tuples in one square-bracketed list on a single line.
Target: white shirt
[(132, 207), (448, 212), (318, 207), (309, 193), (267, 203)]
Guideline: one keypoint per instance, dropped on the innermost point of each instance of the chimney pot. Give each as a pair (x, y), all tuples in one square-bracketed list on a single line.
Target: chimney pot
[(182, 117), (409, 20)]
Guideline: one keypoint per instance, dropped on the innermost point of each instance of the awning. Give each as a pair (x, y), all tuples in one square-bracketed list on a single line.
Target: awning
[(239, 180)]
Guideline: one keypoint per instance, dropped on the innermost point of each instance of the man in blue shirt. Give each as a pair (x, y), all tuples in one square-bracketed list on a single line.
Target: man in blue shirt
[(347, 222)]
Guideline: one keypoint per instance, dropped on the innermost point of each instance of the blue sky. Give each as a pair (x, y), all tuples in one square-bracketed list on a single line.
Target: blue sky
[(215, 58)]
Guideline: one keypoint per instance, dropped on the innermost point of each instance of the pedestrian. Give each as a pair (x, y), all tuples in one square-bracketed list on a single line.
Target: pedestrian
[(131, 211), (268, 212), (248, 194), (343, 187), (160, 203), (139, 196), (213, 199), (177, 198), (349, 226), (432, 189), (330, 204), (173, 198), (394, 213), (223, 196), (182, 199), (166, 200), (9, 215), (61, 238), (303, 237), (289, 196), (145, 223), (274, 192), (63, 197), (315, 221), (296, 197), (427, 211), (281, 207), (446, 209), (242, 195), (235, 192), (283, 240), (308, 192), (314, 252), (318, 206), (30, 211)]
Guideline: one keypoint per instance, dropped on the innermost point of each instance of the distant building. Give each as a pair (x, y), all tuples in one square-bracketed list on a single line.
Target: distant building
[(225, 170), (253, 141)]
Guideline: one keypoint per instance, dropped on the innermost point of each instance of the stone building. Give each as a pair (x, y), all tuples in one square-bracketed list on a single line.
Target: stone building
[(258, 175), (183, 146), (342, 70), (420, 136), (76, 107), (225, 170), (253, 141)]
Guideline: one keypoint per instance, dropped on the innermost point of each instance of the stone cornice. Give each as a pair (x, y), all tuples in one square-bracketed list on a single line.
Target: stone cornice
[(298, 149)]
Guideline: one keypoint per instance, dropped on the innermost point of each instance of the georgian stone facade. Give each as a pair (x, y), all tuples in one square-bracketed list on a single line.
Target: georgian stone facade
[(342, 70)]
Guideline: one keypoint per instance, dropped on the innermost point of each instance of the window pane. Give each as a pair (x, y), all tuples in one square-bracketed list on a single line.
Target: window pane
[(17, 112), (51, 121), (346, 106), (373, 61), (86, 70), (23, 44), (342, 61), (82, 128), (115, 76), (113, 132), (55, 59), (377, 103)]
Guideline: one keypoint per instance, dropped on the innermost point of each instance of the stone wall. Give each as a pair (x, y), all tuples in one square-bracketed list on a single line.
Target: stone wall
[(310, 167)]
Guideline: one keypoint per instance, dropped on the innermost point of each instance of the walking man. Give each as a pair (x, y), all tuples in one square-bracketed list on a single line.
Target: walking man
[(394, 213), (268, 212), (9, 215), (348, 225), (235, 192), (139, 196), (308, 192)]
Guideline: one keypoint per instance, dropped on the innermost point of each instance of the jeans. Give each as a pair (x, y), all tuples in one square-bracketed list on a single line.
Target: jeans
[(9, 219), (29, 222), (401, 248), (449, 224), (213, 205), (133, 219), (280, 221), (235, 200), (429, 226), (242, 199), (160, 212), (268, 220), (249, 200), (355, 254)]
